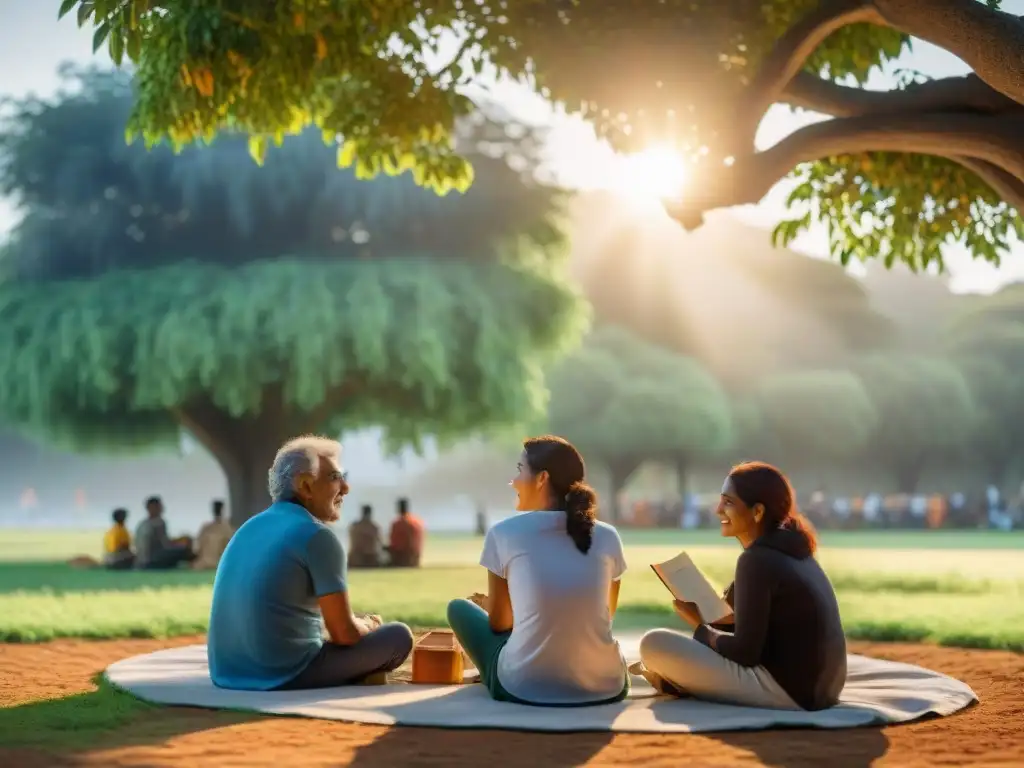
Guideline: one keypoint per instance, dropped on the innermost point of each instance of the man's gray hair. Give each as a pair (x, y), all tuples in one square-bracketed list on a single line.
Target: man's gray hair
[(299, 456)]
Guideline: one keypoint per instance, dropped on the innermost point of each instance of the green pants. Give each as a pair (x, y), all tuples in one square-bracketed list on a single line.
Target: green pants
[(472, 627)]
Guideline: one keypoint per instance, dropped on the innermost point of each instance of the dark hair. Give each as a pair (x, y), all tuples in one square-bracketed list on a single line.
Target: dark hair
[(759, 483), (153, 500), (218, 508), (403, 506), (367, 510), (120, 515), (567, 479)]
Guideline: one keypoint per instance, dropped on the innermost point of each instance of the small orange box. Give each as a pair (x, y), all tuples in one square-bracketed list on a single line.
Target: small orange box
[(437, 659)]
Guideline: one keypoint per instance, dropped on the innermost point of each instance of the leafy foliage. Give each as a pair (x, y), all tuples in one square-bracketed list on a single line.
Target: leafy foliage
[(822, 414), (143, 283), (622, 399), (925, 410), (418, 346), (92, 204), (899, 208)]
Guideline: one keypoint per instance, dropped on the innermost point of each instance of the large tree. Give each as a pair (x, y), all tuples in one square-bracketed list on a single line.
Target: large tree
[(894, 174), (811, 418), (986, 339), (147, 292), (926, 414), (625, 401)]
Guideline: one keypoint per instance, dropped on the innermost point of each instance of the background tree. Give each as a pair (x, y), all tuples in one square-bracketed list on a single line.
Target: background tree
[(148, 291), (625, 401), (986, 339), (812, 418), (894, 174), (925, 413)]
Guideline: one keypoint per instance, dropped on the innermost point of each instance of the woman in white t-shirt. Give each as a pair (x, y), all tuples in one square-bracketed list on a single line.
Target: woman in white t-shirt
[(543, 633)]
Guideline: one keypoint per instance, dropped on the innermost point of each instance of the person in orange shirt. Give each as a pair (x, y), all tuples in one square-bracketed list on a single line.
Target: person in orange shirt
[(406, 540)]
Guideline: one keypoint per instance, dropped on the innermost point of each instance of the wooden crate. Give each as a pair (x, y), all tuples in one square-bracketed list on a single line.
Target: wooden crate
[(437, 659)]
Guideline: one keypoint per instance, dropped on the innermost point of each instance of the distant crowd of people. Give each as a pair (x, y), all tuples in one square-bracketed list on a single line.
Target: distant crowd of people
[(872, 511), (154, 549)]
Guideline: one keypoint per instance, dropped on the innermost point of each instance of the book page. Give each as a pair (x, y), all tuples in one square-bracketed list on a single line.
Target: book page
[(686, 583)]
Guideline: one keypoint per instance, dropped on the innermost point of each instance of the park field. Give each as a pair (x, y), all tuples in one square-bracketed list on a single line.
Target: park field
[(948, 587)]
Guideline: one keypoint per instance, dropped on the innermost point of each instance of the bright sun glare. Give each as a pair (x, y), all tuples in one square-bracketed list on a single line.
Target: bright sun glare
[(657, 173)]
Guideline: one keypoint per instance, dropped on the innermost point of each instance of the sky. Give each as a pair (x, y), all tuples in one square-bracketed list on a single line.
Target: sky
[(33, 43)]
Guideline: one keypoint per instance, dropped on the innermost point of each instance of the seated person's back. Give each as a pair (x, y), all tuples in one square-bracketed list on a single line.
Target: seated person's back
[(406, 537), (364, 541), (265, 624), (561, 648), (213, 539), (117, 543)]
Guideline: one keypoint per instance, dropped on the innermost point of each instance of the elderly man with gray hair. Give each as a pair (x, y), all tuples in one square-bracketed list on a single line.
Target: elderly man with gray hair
[(284, 569)]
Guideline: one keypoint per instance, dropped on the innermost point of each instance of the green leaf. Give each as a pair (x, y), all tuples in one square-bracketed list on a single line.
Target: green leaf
[(116, 46), (85, 10), (100, 36), (134, 45), (258, 148), (66, 6)]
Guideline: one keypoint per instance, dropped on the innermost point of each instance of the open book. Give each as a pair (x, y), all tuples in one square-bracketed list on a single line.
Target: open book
[(686, 583)]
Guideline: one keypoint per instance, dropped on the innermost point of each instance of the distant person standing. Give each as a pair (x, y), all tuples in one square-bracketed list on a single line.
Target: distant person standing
[(154, 549), (364, 541), (481, 521), (405, 545), (117, 544), (212, 540)]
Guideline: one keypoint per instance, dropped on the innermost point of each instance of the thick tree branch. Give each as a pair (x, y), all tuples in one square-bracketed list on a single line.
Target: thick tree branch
[(1006, 185), (968, 93), (788, 56), (991, 42), (993, 139)]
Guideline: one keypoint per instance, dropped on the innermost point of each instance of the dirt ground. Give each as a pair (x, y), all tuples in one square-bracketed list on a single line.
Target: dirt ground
[(991, 733)]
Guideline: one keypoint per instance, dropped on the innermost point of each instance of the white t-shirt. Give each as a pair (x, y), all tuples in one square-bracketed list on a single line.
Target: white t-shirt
[(561, 649)]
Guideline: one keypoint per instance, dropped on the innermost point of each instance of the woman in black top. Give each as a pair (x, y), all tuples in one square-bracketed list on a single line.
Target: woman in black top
[(784, 646)]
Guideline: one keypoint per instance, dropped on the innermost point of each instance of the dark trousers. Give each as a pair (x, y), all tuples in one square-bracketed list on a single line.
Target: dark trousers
[(382, 650), (171, 557)]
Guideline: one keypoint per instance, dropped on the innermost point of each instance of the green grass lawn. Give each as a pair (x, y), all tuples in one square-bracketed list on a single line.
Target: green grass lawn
[(957, 588)]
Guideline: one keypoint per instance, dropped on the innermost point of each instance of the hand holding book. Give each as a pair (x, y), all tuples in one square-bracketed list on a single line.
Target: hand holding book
[(691, 589)]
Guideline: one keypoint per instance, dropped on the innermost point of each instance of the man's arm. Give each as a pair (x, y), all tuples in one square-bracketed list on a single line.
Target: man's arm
[(342, 626), (325, 559)]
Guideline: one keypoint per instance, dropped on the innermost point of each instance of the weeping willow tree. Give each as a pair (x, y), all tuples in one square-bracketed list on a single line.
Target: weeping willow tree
[(145, 292)]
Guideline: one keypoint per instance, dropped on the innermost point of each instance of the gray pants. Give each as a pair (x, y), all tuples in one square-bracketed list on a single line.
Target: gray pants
[(382, 650), (704, 674)]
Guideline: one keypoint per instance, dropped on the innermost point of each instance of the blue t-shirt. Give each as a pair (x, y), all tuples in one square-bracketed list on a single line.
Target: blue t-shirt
[(265, 624)]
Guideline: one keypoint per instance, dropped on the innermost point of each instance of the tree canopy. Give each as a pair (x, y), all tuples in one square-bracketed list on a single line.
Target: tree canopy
[(893, 174), (625, 401), (148, 291), (816, 415), (925, 413)]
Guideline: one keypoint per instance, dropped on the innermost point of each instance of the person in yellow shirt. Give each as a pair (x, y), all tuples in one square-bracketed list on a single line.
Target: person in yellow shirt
[(117, 544)]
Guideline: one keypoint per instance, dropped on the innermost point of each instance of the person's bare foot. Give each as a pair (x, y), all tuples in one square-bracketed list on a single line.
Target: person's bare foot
[(658, 683)]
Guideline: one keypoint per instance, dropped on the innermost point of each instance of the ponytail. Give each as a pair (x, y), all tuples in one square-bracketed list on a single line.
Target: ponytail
[(580, 515), (796, 522)]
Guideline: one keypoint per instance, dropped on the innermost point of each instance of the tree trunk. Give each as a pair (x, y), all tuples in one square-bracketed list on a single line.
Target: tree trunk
[(619, 473), (245, 446)]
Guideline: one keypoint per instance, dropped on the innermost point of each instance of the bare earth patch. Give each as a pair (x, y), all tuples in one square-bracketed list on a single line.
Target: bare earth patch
[(991, 733)]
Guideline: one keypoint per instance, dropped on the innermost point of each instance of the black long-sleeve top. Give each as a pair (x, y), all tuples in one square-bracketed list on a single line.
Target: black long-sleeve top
[(786, 620)]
